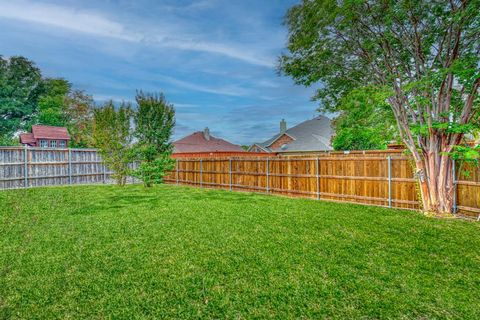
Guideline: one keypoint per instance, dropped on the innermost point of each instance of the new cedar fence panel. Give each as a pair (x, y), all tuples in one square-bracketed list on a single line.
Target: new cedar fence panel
[(374, 178), (468, 189)]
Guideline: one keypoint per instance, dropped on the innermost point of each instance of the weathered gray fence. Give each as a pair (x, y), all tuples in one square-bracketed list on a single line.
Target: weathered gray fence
[(22, 167)]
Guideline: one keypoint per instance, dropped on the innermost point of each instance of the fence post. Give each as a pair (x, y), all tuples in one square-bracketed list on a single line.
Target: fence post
[(455, 186), (104, 172), (268, 175), (69, 166), (317, 172), (177, 171), (389, 161), (230, 172), (25, 166), (201, 171)]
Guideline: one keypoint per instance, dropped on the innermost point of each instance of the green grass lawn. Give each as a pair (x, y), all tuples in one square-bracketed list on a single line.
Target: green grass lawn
[(179, 252)]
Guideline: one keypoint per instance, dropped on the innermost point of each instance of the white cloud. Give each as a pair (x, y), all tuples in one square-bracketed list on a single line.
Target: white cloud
[(96, 24)]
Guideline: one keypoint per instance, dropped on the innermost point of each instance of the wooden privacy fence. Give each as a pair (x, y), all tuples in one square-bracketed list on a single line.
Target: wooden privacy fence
[(383, 178), (386, 180), (33, 167)]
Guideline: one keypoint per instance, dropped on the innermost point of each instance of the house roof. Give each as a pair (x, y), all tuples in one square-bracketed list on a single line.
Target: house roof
[(50, 132), (27, 138), (310, 135), (196, 142)]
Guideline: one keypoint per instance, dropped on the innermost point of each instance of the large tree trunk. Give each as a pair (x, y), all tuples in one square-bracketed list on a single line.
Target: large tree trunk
[(434, 171)]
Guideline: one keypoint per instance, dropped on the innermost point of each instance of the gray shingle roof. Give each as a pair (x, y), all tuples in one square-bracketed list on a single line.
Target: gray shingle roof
[(310, 135)]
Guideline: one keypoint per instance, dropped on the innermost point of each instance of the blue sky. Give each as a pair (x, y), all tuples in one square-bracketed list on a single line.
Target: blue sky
[(214, 59)]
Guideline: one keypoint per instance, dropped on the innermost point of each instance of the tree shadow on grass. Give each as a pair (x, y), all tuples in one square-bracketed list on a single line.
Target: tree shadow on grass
[(225, 196), (151, 198), (116, 203)]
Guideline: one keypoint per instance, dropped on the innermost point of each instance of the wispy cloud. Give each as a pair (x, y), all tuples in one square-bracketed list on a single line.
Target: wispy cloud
[(231, 90), (96, 24), (65, 18), (243, 54)]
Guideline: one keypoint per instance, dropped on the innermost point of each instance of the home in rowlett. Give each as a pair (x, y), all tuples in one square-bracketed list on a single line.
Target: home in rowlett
[(46, 137), (202, 142), (307, 137)]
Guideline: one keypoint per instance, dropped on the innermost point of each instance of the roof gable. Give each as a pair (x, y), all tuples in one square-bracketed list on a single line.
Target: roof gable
[(196, 142), (259, 146), (278, 136), (27, 138), (50, 132)]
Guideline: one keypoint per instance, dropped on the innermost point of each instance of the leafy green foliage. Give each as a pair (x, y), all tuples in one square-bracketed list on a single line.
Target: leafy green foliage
[(78, 113), (51, 104), (153, 171), (113, 137), (365, 122), (168, 252), (20, 89), (8, 141), (467, 156), (154, 122)]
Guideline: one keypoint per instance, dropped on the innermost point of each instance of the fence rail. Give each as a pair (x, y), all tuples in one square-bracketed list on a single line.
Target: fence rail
[(376, 178)]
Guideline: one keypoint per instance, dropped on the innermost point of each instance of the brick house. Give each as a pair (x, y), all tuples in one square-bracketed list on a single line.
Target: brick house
[(46, 137), (309, 136), (204, 142)]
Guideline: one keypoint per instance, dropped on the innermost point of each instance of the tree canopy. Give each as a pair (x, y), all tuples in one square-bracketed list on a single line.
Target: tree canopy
[(20, 89)]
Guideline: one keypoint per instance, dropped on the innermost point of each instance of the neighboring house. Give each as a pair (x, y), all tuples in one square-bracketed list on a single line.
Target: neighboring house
[(308, 136), (46, 137), (203, 142)]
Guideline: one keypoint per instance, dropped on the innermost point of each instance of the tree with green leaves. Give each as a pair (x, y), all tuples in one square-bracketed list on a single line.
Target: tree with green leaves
[(113, 137), (20, 89), (154, 122), (422, 58)]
